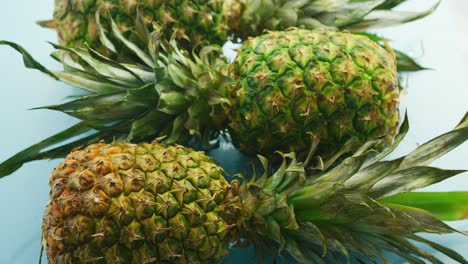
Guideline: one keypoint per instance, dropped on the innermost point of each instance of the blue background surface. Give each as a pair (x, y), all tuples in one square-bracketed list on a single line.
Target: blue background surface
[(436, 100)]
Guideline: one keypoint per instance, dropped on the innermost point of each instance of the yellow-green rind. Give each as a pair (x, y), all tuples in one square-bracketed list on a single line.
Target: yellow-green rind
[(291, 84), (127, 203), (191, 21)]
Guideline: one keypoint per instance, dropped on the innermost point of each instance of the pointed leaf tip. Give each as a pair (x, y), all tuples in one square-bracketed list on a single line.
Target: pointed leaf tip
[(406, 63), (47, 23), (28, 60), (33, 152)]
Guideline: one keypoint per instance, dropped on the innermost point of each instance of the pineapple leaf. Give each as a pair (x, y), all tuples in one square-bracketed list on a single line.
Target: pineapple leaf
[(176, 132), (52, 24), (101, 58), (464, 122), (95, 107), (403, 130), (141, 27), (102, 34), (107, 70), (30, 153), (447, 206), (342, 171), (345, 14), (413, 220), (368, 176), (110, 107), (406, 63), (437, 147), (147, 125), (64, 57), (89, 79), (410, 179), (387, 18), (28, 60), (336, 246), (405, 246), (87, 82), (389, 4), (447, 251), (404, 253), (348, 146), (65, 149), (130, 45)]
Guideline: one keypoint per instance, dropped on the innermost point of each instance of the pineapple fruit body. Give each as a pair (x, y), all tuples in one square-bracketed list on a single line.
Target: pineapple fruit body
[(146, 203), (296, 84), (191, 21)]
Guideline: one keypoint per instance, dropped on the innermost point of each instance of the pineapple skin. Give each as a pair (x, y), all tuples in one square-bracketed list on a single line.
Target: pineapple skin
[(296, 84), (146, 203), (191, 21)]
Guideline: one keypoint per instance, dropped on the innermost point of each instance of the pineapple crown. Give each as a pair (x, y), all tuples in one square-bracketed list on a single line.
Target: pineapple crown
[(172, 93), (362, 205)]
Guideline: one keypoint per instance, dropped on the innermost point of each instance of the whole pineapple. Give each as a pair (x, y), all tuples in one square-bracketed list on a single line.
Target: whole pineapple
[(83, 21), (284, 89), (156, 203)]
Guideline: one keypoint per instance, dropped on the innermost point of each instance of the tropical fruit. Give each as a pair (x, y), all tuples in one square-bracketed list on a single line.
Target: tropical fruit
[(78, 22), (156, 203), (147, 203), (291, 84), (284, 89)]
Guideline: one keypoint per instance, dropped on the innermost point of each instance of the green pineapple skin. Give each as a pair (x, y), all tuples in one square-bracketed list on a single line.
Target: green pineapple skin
[(146, 203), (192, 21), (292, 85)]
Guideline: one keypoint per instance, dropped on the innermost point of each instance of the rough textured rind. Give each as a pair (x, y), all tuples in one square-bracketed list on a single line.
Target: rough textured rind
[(335, 85), (127, 203), (192, 21)]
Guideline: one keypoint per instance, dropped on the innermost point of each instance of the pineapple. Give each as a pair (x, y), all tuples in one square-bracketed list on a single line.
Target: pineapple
[(157, 203), (146, 203), (289, 84), (78, 21), (284, 89)]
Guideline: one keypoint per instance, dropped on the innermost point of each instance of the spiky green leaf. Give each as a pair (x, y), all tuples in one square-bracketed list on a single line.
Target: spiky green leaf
[(437, 147), (447, 206), (447, 251), (130, 45), (10, 165), (387, 18), (410, 179), (28, 60), (407, 64)]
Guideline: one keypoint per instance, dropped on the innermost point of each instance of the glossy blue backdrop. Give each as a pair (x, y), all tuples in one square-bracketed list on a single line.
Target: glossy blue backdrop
[(436, 100)]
